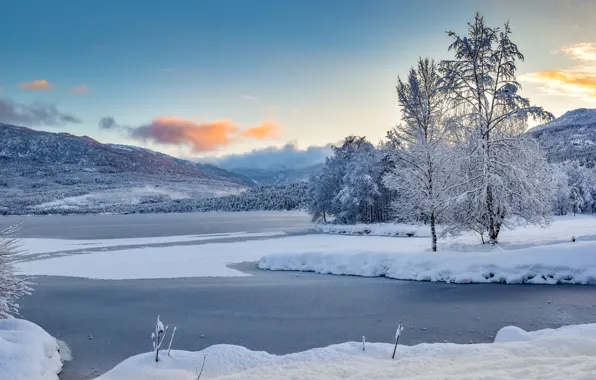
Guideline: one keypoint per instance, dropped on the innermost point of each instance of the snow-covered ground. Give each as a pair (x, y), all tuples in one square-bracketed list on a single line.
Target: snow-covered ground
[(525, 255), (98, 200), (566, 353), (27, 352), (570, 263), (563, 228)]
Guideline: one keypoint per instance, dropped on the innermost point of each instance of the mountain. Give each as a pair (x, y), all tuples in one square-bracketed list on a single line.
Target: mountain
[(279, 175), (62, 170), (223, 173), (570, 137)]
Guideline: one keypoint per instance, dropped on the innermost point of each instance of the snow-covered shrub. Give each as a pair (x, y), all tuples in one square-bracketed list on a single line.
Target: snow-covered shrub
[(11, 287), (159, 335)]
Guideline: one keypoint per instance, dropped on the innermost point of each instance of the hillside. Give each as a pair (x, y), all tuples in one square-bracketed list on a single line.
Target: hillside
[(570, 137), (276, 176), (40, 168)]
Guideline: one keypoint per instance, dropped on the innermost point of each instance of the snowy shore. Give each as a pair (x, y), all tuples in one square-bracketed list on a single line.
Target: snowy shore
[(525, 255), (27, 352), (566, 353)]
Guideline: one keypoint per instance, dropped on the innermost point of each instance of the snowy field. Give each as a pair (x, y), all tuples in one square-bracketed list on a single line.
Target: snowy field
[(525, 255), (566, 353), (27, 352)]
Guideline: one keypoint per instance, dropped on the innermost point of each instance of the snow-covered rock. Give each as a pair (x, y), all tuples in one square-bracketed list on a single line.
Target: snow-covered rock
[(27, 352), (566, 353)]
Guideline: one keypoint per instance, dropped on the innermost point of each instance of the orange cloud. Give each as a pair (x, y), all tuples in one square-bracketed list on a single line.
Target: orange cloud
[(266, 130), (200, 137), (80, 90), (37, 85), (578, 80)]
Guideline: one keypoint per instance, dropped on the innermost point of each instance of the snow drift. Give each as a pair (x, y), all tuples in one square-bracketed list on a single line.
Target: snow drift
[(27, 352), (570, 263), (566, 353)]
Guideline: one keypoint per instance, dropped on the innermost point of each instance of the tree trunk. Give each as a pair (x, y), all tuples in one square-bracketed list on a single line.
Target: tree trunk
[(493, 232), (433, 232)]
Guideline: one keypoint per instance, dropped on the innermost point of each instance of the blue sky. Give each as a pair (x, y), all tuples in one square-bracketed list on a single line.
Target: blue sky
[(317, 70)]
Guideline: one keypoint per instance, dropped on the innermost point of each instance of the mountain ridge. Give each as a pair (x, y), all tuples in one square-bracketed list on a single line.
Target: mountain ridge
[(569, 137)]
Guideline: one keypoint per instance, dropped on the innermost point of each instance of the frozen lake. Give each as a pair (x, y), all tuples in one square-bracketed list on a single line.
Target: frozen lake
[(156, 225), (106, 321)]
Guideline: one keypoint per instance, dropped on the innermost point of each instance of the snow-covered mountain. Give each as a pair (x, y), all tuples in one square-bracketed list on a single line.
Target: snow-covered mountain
[(69, 152), (570, 137), (42, 168)]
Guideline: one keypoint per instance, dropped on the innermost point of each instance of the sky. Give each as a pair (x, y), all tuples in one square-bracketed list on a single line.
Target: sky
[(209, 78)]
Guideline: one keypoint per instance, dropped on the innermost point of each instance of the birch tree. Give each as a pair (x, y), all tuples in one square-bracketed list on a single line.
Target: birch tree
[(421, 175), (499, 185)]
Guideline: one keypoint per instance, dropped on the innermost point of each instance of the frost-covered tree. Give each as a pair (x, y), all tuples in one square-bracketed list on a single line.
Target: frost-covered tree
[(576, 201), (422, 172), (505, 174), (11, 286), (349, 187), (588, 202), (560, 183), (322, 190), (360, 188)]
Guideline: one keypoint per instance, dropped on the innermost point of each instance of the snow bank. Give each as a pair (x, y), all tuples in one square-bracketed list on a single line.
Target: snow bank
[(571, 263), (205, 260), (379, 229), (566, 353), (27, 352)]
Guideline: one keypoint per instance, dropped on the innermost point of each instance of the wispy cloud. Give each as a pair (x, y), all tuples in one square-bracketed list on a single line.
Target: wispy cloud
[(577, 81), (35, 114), (249, 97), (200, 137), (267, 130), (37, 85), (80, 90)]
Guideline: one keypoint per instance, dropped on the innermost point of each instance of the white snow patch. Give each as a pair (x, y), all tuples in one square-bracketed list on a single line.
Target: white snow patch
[(571, 263), (27, 352), (566, 353), (524, 255), (133, 195)]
